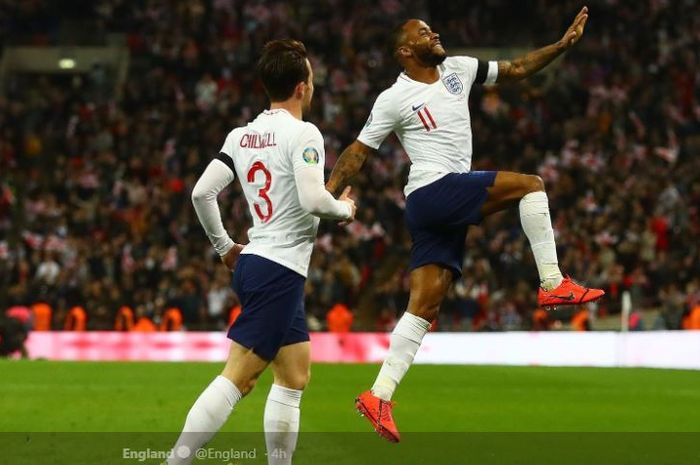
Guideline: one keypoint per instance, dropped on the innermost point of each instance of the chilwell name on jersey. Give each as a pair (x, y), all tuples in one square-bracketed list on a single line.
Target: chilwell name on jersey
[(258, 141)]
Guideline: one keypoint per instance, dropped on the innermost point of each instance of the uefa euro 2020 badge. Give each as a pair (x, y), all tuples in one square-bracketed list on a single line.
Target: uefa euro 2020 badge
[(453, 84), (310, 155)]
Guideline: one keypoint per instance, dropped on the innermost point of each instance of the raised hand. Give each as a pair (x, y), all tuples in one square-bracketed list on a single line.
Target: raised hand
[(575, 31)]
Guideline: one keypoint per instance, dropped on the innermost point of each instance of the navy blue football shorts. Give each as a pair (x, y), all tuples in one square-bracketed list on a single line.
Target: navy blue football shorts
[(272, 306), (439, 214)]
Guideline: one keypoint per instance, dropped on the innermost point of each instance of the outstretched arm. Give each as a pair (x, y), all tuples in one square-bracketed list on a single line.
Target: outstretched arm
[(520, 68), (347, 166)]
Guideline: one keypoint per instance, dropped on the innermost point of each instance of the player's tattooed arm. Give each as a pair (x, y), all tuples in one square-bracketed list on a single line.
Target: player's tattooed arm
[(347, 166), (520, 68)]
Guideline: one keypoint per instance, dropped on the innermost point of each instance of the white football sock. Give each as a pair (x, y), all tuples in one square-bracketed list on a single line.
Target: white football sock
[(281, 424), (404, 343), (206, 417), (537, 225)]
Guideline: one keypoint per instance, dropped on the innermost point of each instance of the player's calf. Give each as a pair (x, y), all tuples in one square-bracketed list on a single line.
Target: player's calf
[(281, 423), (208, 414), (214, 405), (291, 370), (429, 285)]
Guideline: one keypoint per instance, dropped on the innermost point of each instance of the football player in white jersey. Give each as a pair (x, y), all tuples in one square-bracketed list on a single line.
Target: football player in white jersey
[(427, 109), (279, 160)]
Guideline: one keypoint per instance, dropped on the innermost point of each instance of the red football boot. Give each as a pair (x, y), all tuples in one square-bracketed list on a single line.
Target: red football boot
[(568, 293), (378, 412)]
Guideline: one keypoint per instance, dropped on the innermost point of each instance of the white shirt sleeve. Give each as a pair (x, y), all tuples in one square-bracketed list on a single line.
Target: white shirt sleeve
[(315, 199), (477, 71), (382, 120), (214, 179), (308, 160), (227, 148)]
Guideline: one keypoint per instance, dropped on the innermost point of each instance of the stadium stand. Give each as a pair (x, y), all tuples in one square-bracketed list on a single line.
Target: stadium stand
[(95, 182)]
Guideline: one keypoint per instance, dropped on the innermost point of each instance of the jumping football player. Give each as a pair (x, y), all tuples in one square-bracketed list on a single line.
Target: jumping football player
[(427, 108)]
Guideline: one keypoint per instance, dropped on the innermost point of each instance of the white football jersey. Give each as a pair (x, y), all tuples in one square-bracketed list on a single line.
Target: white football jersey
[(265, 155), (430, 120)]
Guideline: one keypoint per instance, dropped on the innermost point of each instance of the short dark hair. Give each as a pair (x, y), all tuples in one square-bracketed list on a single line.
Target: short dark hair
[(396, 38), (281, 67)]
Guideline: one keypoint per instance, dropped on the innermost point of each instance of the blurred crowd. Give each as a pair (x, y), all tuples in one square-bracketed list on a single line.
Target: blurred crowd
[(95, 181)]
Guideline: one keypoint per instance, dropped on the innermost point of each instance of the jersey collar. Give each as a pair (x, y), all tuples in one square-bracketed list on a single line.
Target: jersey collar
[(441, 71), (275, 111)]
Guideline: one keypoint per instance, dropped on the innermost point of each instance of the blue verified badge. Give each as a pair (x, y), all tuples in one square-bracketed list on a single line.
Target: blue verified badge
[(310, 155), (453, 84)]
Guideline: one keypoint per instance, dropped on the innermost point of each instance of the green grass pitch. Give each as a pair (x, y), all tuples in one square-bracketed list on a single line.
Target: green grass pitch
[(52, 412)]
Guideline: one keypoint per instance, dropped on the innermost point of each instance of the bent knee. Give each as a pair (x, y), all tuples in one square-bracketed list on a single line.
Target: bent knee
[(426, 303), (244, 382), (428, 313), (247, 385), (297, 381), (533, 183)]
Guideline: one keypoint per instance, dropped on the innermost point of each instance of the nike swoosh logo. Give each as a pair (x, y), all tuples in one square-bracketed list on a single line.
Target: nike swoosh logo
[(417, 107), (564, 297)]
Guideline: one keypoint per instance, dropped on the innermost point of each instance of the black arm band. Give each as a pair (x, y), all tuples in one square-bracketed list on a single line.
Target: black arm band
[(482, 71), (226, 160)]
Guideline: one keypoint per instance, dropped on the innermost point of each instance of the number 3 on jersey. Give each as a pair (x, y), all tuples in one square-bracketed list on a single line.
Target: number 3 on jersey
[(262, 193)]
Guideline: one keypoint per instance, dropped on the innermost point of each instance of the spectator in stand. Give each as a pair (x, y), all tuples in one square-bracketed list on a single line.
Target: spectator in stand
[(13, 335), (339, 319), (692, 319)]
